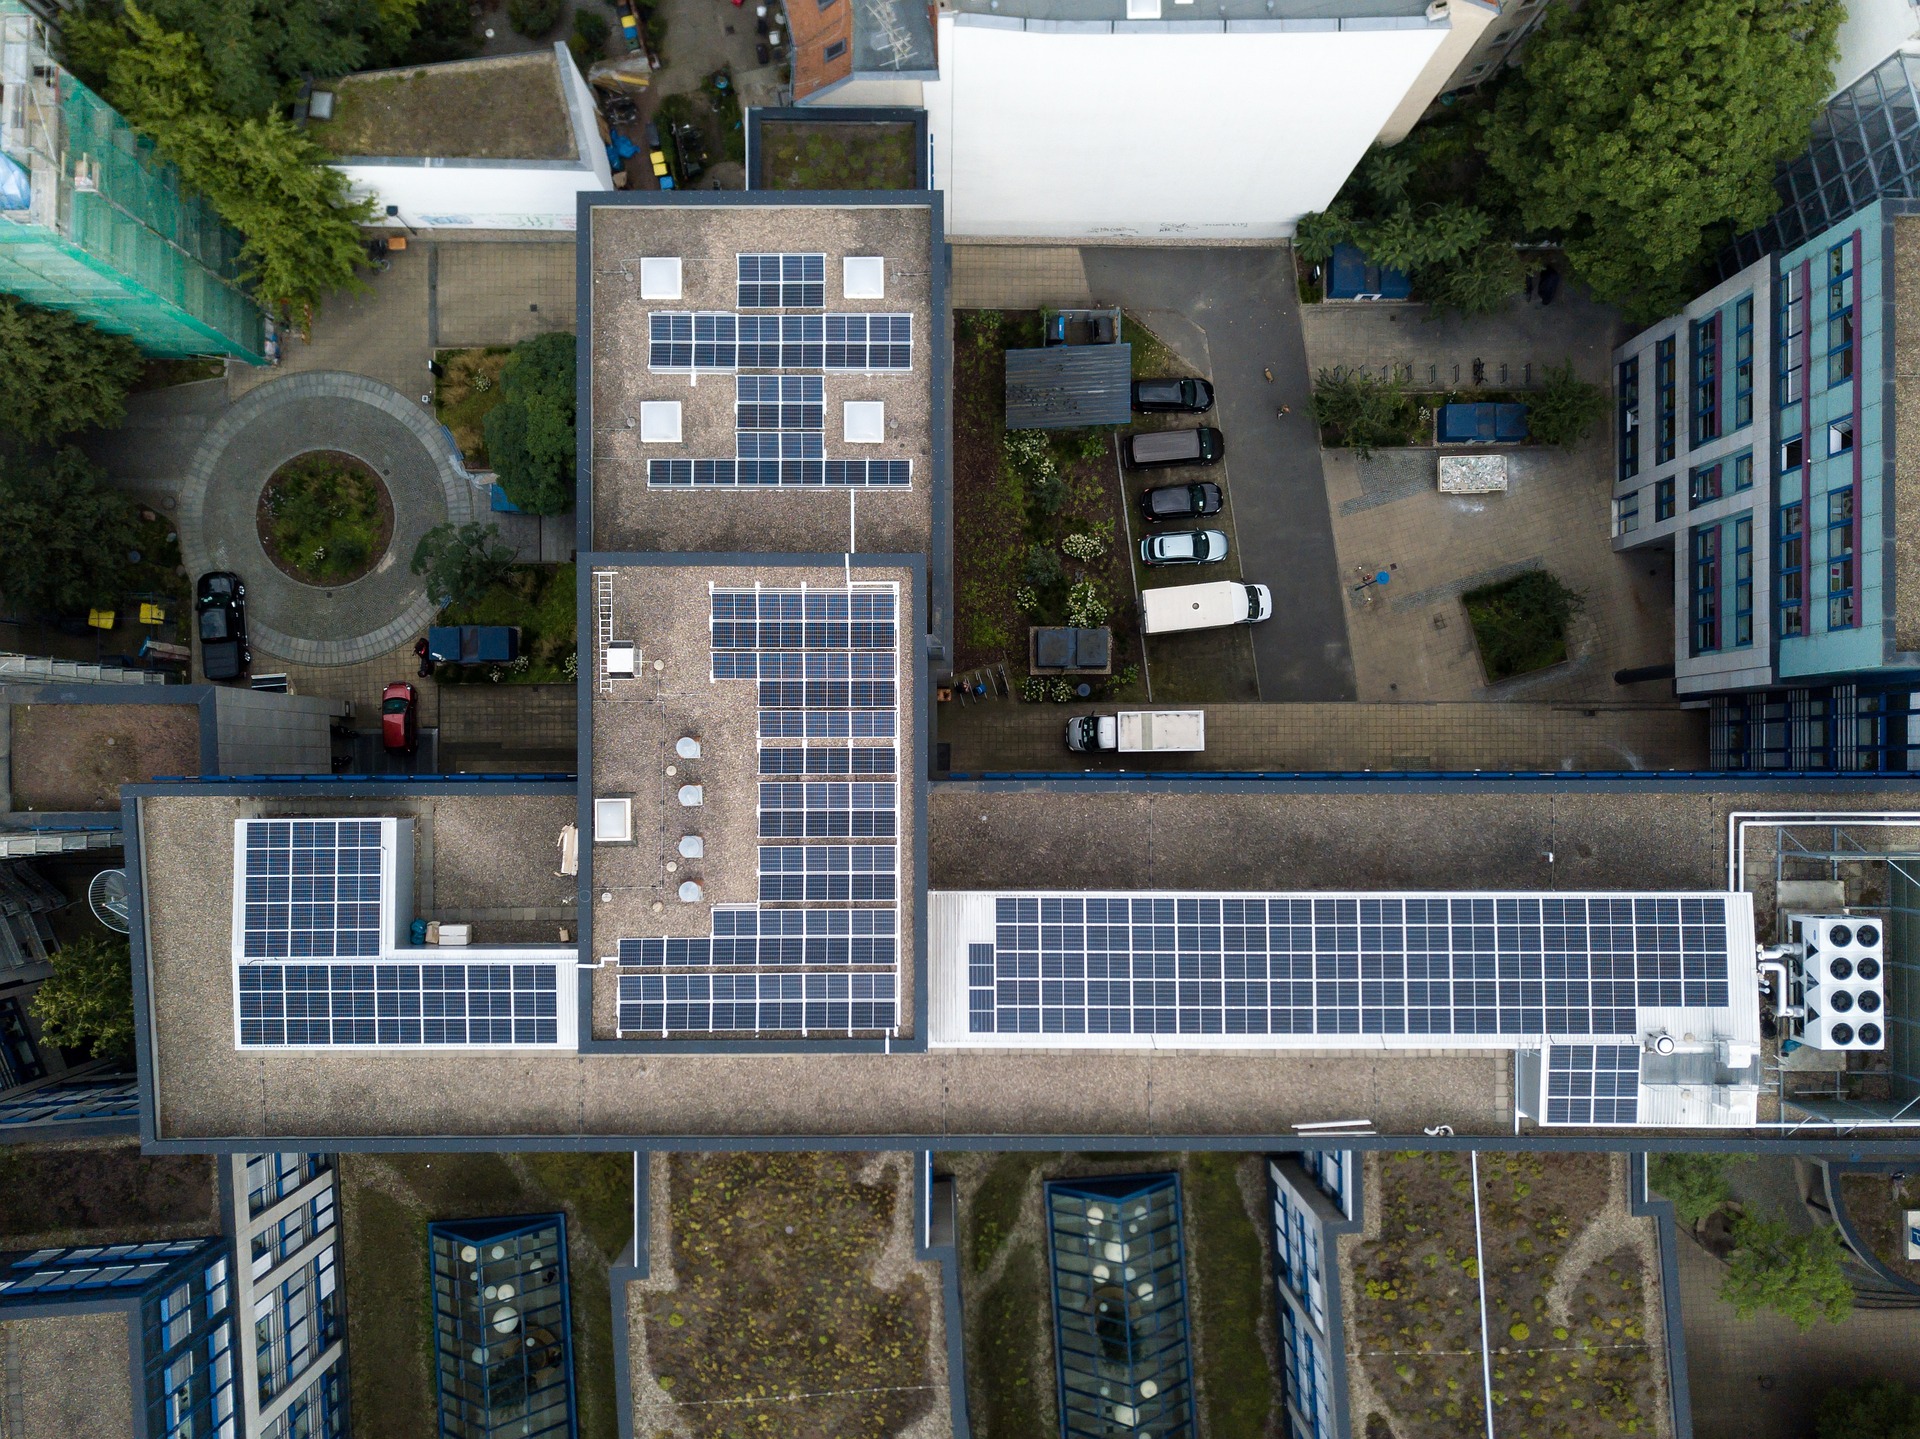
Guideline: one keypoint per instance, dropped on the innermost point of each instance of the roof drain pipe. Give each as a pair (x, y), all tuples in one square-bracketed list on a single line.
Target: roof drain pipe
[(1772, 962)]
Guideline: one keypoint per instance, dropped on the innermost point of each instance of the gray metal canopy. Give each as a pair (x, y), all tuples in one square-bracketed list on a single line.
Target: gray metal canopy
[(1066, 387)]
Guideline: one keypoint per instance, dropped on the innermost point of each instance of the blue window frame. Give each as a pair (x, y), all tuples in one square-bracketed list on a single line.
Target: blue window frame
[(1791, 549), (1743, 362), (1663, 383), (1743, 581), (1841, 612), (1706, 379), (1703, 485), (1792, 331), (1743, 471), (1840, 313), (1706, 589), (1628, 388), (1626, 514), (1663, 499)]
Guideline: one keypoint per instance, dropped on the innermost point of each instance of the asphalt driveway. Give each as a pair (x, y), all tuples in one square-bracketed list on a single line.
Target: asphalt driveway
[(1240, 307)]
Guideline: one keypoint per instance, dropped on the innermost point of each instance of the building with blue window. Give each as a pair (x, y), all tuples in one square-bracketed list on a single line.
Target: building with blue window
[(1120, 1328), (502, 1327), (1755, 437), (138, 1336), (1315, 1197)]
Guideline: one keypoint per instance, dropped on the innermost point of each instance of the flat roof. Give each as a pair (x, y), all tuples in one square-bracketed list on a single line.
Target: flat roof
[(504, 107), (1182, 15), (636, 389), (69, 1374), (1649, 835)]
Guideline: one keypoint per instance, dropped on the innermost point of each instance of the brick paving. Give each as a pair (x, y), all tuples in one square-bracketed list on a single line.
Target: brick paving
[(517, 717), (1018, 277), (1437, 351), (360, 682), (500, 294), (1761, 1378), (1289, 738)]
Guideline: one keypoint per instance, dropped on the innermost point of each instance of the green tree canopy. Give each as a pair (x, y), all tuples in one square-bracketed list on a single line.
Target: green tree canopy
[(1796, 1275), (1695, 1183), (1642, 135), (64, 537), (1874, 1409), (462, 563), (87, 1003), (264, 176), (530, 432), (1564, 409), (59, 375)]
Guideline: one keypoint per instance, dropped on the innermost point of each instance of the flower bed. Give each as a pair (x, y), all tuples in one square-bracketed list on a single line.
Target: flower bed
[(1520, 625), (465, 391), (325, 518)]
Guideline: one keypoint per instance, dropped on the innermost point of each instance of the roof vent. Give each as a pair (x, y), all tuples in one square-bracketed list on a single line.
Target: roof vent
[(1438, 11), (1143, 9)]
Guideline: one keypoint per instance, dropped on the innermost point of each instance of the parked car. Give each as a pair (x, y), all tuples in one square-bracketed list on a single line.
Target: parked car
[(1203, 607), (400, 718), (1184, 547), (1180, 502), (220, 614), (1156, 449), (1172, 397)]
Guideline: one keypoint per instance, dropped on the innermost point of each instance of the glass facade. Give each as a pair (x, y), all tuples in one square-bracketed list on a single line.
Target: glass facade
[(108, 1101), (1307, 1285), (1120, 1307), (502, 1337)]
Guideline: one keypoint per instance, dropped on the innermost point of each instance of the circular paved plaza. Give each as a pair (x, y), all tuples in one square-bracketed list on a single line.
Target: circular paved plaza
[(311, 624)]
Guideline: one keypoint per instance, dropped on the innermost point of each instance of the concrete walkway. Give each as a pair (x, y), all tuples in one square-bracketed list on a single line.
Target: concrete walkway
[(1317, 738), (303, 623)]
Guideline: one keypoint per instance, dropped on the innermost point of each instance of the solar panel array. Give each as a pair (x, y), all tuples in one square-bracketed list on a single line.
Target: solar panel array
[(310, 889), (779, 417), (1593, 1084), (395, 1003), (782, 282), (1317, 965), (716, 341), (824, 664), (745, 474)]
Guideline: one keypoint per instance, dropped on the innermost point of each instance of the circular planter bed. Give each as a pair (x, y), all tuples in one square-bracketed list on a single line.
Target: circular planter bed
[(325, 518)]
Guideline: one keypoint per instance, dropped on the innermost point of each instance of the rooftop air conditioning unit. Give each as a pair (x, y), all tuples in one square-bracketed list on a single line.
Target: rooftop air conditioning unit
[(1843, 981)]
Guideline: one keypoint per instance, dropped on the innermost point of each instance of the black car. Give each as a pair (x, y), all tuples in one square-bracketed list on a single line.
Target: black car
[(220, 612), (1180, 502), (1172, 397)]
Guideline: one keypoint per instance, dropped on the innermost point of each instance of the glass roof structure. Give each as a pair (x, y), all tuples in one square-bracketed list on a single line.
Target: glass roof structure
[(502, 1338), (1120, 1308)]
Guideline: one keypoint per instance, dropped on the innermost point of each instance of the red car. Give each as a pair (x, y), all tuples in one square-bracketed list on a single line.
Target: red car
[(399, 718)]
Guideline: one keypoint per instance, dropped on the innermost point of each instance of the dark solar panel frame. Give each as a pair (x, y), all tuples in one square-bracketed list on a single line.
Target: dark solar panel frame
[(395, 1003), (827, 873), (782, 281), (757, 1003), (866, 343), (827, 759), (778, 938), (787, 474), (310, 889), (1593, 1084), (700, 341), (1309, 965)]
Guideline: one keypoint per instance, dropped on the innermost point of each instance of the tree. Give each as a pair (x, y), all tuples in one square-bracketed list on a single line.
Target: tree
[(87, 1003), (1476, 282), (264, 176), (1695, 1183), (530, 432), (1362, 412), (64, 537), (1564, 409), (588, 42), (1797, 1275), (1644, 135), (59, 375), (533, 18), (461, 564), (1870, 1409)]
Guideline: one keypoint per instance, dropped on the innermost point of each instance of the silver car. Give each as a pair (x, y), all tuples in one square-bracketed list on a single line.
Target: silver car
[(1184, 547)]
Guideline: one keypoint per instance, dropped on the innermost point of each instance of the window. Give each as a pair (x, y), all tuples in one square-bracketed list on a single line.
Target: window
[(1706, 589), (1792, 550), (1663, 383), (1791, 453), (1840, 313), (1743, 472), (1629, 406), (1703, 486), (176, 1316), (1626, 514), (1743, 362), (836, 50), (1743, 581), (1840, 437), (1706, 379), (1662, 500), (1840, 606), (1793, 325)]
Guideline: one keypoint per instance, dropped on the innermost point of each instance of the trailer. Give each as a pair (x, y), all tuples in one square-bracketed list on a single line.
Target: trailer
[(1139, 732)]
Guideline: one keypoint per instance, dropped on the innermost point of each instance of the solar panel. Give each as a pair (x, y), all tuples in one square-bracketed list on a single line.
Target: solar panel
[(398, 1004), (782, 282), (779, 417), (731, 474), (1453, 965), (825, 759), (310, 889), (783, 342), (735, 1003), (773, 938), (827, 873), (824, 659), (869, 342), (1593, 1084)]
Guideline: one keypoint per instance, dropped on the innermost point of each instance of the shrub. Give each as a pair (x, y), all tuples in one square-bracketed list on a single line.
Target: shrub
[(1796, 1275), (64, 536), (1695, 1183), (1086, 606), (1521, 624), (1564, 409), (1475, 282), (529, 433), (1083, 547), (461, 564), (59, 374), (590, 31), (533, 18), (1360, 411), (1044, 570), (1870, 1409)]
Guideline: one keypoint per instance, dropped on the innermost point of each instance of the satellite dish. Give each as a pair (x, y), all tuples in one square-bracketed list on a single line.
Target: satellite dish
[(107, 897)]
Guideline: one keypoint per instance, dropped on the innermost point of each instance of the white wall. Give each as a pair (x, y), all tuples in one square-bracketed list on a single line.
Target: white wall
[(1159, 130), (1872, 31)]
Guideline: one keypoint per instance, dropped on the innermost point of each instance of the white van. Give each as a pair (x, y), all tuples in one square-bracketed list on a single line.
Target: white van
[(1203, 607)]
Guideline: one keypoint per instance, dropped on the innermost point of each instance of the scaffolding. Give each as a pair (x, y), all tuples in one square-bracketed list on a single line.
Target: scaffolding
[(109, 233)]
